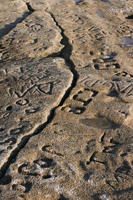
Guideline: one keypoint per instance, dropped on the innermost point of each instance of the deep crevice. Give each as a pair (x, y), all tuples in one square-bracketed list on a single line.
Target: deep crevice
[(23, 142), (29, 7), (65, 53)]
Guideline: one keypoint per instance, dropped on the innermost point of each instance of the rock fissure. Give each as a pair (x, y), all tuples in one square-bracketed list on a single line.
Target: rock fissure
[(65, 53), (66, 90)]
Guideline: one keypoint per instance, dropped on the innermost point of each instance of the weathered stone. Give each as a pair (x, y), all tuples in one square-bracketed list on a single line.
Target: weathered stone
[(29, 91), (66, 100)]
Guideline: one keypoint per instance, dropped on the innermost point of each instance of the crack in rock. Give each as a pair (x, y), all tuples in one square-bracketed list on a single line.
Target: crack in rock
[(65, 53)]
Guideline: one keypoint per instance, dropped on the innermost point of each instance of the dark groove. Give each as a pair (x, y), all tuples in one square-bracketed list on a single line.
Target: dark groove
[(65, 53), (29, 7), (102, 138), (23, 142), (9, 27), (123, 191), (129, 17)]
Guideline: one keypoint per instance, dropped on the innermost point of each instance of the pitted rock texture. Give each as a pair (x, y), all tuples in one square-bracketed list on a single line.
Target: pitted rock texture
[(29, 91), (32, 38), (66, 100)]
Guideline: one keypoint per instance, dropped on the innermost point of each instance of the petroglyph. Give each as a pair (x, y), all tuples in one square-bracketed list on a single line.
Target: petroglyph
[(66, 94)]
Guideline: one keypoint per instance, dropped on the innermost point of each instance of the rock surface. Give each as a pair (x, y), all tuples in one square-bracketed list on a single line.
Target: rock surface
[(66, 100)]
